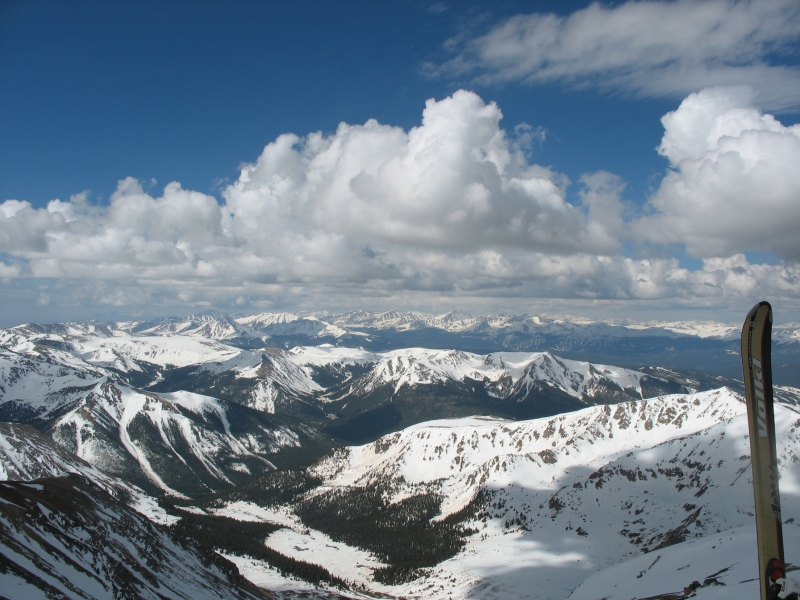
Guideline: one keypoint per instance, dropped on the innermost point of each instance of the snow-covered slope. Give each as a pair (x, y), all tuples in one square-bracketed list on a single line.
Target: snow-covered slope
[(65, 537), (608, 487), (26, 454), (719, 566), (288, 324), (180, 442), (176, 442), (469, 453), (128, 352)]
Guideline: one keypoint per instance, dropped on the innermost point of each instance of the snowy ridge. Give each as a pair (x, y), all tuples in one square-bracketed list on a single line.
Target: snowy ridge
[(210, 324), (479, 451), (420, 366), (786, 334), (513, 332), (288, 324), (660, 486), (278, 376), (325, 355), (701, 329), (576, 378), (123, 353), (510, 373), (39, 377)]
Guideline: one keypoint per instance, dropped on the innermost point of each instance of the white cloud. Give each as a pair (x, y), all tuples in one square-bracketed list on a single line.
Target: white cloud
[(455, 183), (451, 209), (651, 48), (134, 236), (734, 185)]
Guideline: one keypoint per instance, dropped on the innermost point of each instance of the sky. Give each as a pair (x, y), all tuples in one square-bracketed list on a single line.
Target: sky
[(634, 160)]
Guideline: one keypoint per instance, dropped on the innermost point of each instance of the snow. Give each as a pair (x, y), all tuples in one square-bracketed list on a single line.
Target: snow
[(175, 351), (25, 454), (326, 354), (730, 557), (701, 329), (426, 452), (315, 547), (290, 324), (423, 366), (149, 507), (90, 537), (571, 376), (247, 511), (265, 576), (200, 404), (34, 378), (134, 403), (301, 543)]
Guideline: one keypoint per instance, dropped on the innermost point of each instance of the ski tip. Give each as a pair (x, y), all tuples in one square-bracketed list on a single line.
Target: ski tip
[(752, 314)]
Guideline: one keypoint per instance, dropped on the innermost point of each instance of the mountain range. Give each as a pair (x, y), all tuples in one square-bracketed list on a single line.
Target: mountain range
[(704, 345), (172, 409), (219, 444)]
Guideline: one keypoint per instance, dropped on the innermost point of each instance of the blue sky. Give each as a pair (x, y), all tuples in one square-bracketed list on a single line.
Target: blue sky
[(149, 93), (188, 91)]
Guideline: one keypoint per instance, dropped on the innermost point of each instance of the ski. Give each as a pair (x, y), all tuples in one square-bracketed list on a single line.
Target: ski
[(757, 371)]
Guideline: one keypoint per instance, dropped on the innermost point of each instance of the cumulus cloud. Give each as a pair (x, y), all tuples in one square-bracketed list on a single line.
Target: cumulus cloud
[(454, 183), (734, 184), (135, 235), (652, 48), (452, 208)]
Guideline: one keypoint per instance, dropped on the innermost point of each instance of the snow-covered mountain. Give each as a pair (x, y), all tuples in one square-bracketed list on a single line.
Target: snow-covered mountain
[(504, 371), (26, 454), (464, 454), (210, 324), (185, 413), (377, 392), (515, 332), (311, 383), (288, 324), (638, 499), (175, 442), (174, 409), (705, 345)]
